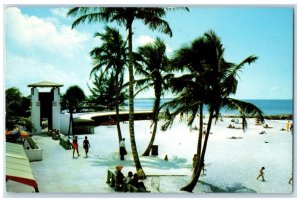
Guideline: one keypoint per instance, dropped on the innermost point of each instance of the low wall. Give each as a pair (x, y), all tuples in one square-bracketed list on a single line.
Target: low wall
[(32, 150)]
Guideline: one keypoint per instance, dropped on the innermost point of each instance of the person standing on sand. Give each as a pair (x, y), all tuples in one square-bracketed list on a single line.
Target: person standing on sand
[(122, 149), (291, 127), (288, 126), (75, 146), (203, 169), (261, 174), (86, 146)]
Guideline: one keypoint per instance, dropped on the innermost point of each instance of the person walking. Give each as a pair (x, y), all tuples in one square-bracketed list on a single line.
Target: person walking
[(122, 149), (203, 169), (75, 146), (86, 146), (261, 174)]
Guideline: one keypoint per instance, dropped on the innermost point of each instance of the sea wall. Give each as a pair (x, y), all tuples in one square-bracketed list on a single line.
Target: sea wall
[(80, 126)]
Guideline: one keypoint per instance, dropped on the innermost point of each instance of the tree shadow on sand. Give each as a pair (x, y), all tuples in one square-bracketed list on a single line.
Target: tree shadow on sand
[(155, 162), (108, 160), (235, 188), (151, 162)]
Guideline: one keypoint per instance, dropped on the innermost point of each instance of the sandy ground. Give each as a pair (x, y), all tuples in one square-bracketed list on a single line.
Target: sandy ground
[(233, 159)]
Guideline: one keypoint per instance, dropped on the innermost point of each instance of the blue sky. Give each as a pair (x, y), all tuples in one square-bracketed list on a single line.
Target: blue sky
[(40, 45)]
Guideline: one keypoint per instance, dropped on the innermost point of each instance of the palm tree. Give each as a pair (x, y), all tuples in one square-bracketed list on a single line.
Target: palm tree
[(16, 109), (153, 64), (16, 103), (101, 96), (210, 80), (152, 17), (111, 57), (72, 99), (98, 100)]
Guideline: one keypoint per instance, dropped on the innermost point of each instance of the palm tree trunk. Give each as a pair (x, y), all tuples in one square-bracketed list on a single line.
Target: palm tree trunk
[(136, 159), (118, 120), (200, 164), (197, 171), (155, 122), (117, 107), (206, 136)]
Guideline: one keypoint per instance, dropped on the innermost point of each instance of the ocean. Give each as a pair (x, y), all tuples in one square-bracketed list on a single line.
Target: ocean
[(269, 107)]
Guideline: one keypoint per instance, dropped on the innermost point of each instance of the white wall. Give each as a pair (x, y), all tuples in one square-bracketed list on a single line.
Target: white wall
[(64, 123), (35, 110), (56, 109)]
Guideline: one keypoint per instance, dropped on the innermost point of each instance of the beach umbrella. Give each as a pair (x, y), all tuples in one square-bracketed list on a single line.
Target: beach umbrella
[(24, 133), (11, 135), (16, 132), (12, 132), (8, 132)]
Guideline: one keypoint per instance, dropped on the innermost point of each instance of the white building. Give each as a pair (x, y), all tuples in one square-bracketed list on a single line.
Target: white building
[(45, 106)]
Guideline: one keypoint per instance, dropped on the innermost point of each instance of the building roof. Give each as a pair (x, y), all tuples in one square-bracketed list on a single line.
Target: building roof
[(17, 165), (45, 84)]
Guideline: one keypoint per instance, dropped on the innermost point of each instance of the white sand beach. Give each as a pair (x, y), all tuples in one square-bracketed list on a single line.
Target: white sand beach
[(233, 160)]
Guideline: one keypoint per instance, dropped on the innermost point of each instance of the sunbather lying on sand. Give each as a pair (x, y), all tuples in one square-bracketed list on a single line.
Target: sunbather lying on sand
[(267, 126)]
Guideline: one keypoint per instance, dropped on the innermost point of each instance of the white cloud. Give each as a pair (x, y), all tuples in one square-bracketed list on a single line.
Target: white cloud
[(142, 40), (33, 33), (169, 49), (59, 12), (21, 71)]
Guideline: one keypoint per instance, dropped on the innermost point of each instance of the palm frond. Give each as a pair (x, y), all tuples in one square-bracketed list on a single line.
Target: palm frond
[(248, 60), (244, 108)]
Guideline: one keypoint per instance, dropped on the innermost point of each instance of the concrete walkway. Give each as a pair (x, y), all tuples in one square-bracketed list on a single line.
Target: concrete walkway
[(59, 172)]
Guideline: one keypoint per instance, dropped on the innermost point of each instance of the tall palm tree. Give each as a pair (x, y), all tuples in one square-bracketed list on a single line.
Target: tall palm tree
[(151, 17), (153, 64), (101, 96), (111, 58), (210, 81), (72, 99)]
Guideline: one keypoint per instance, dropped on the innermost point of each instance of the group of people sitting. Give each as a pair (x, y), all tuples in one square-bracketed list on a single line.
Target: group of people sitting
[(232, 126), (130, 179)]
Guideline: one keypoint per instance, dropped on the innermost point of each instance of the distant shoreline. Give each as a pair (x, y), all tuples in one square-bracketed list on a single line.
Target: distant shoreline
[(150, 98), (270, 117), (161, 115)]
